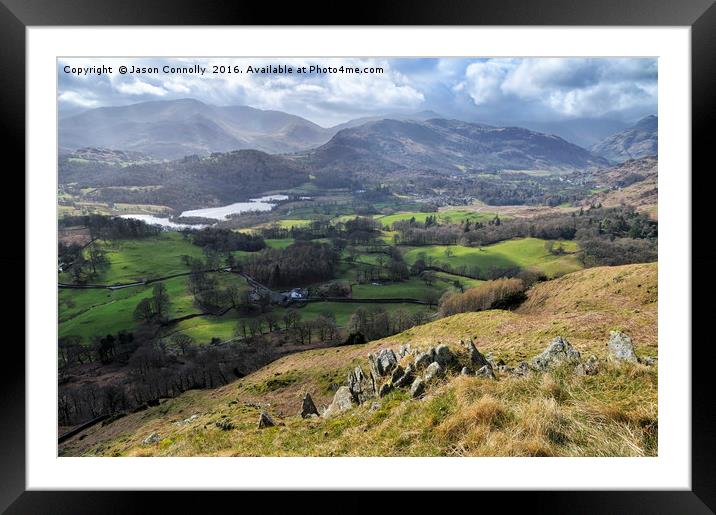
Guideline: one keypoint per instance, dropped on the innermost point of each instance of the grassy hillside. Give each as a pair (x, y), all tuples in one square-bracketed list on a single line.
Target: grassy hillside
[(557, 413), (522, 253)]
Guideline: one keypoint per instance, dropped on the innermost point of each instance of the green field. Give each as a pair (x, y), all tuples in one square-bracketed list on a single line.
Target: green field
[(453, 216), (413, 288), (90, 313), (527, 253), (279, 243), (136, 260)]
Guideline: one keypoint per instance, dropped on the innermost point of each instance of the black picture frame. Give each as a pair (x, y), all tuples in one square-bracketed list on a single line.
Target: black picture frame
[(700, 15)]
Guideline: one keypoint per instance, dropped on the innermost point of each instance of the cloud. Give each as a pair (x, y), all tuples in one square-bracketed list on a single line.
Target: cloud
[(563, 87), (485, 89), (138, 87)]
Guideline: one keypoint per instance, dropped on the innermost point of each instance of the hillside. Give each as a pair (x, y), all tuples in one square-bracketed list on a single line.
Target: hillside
[(446, 146), (186, 183), (557, 412), (634, 182), (638, 141), (173, 129)]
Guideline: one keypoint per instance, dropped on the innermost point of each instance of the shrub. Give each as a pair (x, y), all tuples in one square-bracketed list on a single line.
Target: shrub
[(497, 294)]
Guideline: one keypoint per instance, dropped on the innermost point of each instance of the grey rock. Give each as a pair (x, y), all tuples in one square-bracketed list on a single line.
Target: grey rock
[(424, 359), (308, 408), (466, 371), (342, 402), (383, 362), (406, 378), (522, 369), (397, 374), (621, 348), (417, 388), (434, 370), (362, 386), (375, 406), (152, 438), (385, 390), (476, 358), (265, 420), (444, 356), (559, 350), (486, 371)]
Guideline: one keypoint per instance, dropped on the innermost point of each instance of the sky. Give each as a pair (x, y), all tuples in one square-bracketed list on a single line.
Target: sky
[(495, 90)]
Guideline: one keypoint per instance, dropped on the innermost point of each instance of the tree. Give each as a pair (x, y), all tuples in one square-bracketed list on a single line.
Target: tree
[(144, 312), (183, 341), (161, 301)]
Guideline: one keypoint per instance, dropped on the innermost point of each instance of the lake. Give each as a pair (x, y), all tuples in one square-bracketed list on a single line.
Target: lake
[(266, 203), (164, 222)]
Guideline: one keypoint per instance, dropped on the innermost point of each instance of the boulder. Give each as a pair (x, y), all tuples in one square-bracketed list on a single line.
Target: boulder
[(476, 358), (424, 358), (434, 370), (621, 348), (342, 402), (417, 388), (361, 386), (406, 378), (308, 408), (559, 350), (152, 438), (383, 362), (385, 390), (397, 374), (465, 371), (486, 371), (444, 356), (265, 420)]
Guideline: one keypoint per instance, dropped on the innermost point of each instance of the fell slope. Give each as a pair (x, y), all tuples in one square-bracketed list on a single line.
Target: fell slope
[(613, 413), (448, 146), (638, 141)]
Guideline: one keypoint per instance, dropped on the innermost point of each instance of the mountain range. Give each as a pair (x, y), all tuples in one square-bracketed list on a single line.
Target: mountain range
[(176, 128), (446, 146), (641, 140)]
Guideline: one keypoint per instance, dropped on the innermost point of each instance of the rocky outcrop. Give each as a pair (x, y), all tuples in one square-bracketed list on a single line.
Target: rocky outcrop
[(342, 402), (362, 386), (486, 371), (152, 438), (620, 348), (434, 370), (476, 358), (444, 356), (417, 388), (385, 390), (265, 420), (558, 351), (406, 378), (308, 408), (383, 362), (423, 359)]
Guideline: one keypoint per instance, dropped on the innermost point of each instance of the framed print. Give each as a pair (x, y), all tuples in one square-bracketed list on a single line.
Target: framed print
[(445, 248)]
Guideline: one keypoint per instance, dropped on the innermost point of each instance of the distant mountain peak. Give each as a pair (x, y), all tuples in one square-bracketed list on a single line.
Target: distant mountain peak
[(640, 140)]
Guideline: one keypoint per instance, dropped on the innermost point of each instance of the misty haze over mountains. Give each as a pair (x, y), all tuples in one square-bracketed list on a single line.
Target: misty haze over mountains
[(173, 129)]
